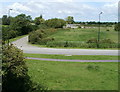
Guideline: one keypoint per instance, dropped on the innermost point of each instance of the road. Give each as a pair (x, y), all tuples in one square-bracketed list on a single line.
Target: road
[(65, 60), (27, 48)]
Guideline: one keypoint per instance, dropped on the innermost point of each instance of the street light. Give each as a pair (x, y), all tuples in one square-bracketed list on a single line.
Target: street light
[(99, 31), (9, 24)]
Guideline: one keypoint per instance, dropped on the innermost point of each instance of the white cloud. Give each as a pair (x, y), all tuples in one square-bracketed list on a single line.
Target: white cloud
[(21, 7), (62, 8)]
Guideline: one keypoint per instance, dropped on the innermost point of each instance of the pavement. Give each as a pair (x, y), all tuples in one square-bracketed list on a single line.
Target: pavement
[(27, 48), (65, 60)]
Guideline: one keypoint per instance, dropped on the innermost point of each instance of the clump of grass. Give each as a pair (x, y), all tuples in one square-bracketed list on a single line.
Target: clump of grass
[(93, 67)]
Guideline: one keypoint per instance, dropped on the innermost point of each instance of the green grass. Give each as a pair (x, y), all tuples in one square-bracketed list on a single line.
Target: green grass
[(14, 39), (77, 38), (84, 34), (73, 47), (73, 57), (74, 76)]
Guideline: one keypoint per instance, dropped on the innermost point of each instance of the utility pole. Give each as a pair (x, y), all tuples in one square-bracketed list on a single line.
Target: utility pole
[(9, 24), (98, 41)]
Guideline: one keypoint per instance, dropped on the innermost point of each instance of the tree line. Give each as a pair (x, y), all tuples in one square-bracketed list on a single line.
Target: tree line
[(23, 24)]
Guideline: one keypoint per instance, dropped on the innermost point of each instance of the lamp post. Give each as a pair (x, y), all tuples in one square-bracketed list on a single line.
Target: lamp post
[(9, 24), (98, 41)]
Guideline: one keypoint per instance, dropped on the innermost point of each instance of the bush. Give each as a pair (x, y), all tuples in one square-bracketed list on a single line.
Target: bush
[(106, 41), (93, 40), (55, 23), (81, 44), (40, 36), (117, 27), (92, 67), (15, 77), (107, 30)]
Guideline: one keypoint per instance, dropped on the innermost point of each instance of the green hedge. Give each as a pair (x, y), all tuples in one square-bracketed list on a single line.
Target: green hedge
[(81, 44)]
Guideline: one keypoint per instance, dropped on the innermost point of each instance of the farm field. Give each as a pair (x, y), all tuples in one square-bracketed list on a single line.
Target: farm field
[(74, 76)]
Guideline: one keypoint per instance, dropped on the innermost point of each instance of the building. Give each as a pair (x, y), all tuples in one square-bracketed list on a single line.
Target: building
[(71, 26)]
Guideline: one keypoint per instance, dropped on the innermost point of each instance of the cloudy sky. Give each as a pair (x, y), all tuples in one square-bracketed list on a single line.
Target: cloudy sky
[(81, 10)]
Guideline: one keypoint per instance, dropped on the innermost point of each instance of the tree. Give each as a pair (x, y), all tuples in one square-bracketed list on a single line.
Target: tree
[(5, 20), (55, 23), (70, 20), (15, 76), (39, 20), (22, 24)]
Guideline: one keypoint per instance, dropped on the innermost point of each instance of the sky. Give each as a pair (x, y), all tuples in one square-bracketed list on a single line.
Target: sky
[(81, 10)]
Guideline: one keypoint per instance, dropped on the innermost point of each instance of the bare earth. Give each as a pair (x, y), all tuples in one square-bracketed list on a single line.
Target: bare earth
[(27, 48)]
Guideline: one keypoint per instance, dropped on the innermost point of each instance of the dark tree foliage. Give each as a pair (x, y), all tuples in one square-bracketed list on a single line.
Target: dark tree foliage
[(15, 77), (5, 20), (39, 20), (22, 24), (55, 23), (41, 36), (70, 19)]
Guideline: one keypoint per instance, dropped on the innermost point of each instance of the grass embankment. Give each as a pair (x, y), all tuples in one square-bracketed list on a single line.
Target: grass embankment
[(74, 76), (84, 34), (80, 38), (73, 57)]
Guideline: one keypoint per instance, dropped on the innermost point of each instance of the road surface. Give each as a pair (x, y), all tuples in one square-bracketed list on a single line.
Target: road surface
[(65, 60), (27, 48)]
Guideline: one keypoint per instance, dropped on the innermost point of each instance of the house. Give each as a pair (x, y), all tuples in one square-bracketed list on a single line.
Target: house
[(71, 26)]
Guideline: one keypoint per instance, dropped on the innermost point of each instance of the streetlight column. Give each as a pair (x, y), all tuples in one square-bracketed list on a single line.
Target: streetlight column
[(98, 42), (9, 24)]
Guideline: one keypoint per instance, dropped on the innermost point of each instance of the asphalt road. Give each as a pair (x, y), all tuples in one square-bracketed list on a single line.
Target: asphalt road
[(27, 48)]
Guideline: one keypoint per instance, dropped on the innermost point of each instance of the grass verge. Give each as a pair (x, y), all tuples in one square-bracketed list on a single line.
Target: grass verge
[(74, 76), (73, 57), (14, 39)]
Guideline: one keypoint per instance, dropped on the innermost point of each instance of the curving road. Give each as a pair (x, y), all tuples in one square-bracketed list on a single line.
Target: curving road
[(27, 48)]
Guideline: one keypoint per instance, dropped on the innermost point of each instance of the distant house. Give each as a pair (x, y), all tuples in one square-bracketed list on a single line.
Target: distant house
[(71, 26)]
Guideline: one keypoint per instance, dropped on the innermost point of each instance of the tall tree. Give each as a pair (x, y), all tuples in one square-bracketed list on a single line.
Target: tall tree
[(70, 19), (22, 24), (5, 20), (39, 20), (55, 23)]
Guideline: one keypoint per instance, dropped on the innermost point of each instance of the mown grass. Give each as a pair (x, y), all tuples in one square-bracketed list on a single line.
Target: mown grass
[(74, 76), (73, 57)]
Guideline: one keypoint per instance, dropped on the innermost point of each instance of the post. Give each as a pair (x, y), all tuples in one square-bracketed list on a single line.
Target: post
[(9, 24), (98, 41)]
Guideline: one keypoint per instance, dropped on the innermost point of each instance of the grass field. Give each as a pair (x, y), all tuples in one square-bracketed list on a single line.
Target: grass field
[(84, 34), (78, 38), (74, 76), (73, 57)]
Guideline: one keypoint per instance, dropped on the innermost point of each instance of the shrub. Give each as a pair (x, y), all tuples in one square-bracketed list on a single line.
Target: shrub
[(93, 67), (15, 77), (36, 36), (106, 41), (55, 23), (93, 40), (107, 30), (117, 27), (45, 40), (40, 36)]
